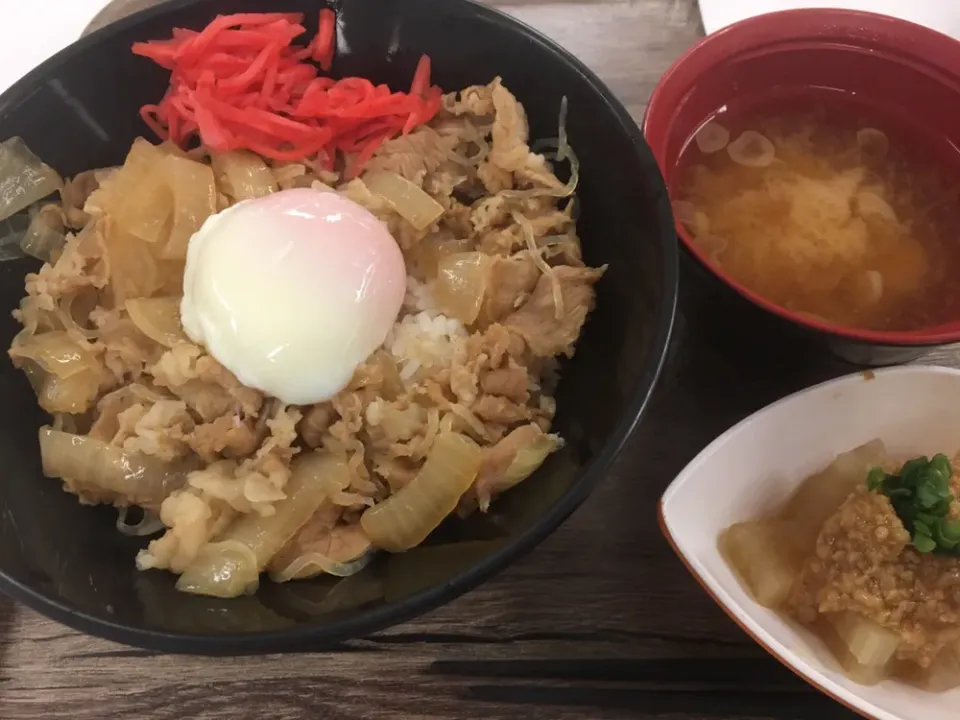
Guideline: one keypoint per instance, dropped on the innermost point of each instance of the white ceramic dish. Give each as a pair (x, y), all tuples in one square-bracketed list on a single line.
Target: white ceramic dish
[(752, 468), (940, 15)]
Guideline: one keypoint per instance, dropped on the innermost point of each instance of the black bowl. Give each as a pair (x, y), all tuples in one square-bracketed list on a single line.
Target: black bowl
[(79, 111)]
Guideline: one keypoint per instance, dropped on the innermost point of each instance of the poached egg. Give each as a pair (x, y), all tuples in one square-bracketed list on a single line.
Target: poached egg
[(292, 291)]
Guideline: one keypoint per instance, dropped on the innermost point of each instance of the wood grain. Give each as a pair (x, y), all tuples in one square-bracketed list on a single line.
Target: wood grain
[(601, 621)]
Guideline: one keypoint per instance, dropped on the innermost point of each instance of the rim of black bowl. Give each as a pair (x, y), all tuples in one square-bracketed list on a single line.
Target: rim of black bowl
[(323, 637)]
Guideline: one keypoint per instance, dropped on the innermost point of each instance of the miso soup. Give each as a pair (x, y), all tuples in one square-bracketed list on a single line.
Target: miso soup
[(824, 208)]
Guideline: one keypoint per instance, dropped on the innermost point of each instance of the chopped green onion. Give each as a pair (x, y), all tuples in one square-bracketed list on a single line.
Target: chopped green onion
[(921, 497)]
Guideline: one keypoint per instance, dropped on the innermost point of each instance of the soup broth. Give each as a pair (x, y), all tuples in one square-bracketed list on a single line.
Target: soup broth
[(822, 208)]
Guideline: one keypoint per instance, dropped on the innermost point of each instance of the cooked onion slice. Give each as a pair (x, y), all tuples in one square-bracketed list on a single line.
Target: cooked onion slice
[(406, 198), (158, 319), (341, 550), (427, 254), (512, 460), (225, 568), (149, 524), (56, 352), (231, 566), (712, 137), (74, 196), (24, 179), (45, 237), (132, 478), (529, 457), (161, 198), (134, 269), (404, 520), (73, 312), (461, 285), (74, 395), (313, 564), (752, 149), (130, 195), (61, 370), (195, 199), (12, 231), (243, 175)]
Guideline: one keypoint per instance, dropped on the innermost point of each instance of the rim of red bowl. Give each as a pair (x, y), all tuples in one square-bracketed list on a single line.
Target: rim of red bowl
[(804, 25)]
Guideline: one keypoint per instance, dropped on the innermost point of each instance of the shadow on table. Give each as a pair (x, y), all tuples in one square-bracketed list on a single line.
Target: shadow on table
[(702, 688)]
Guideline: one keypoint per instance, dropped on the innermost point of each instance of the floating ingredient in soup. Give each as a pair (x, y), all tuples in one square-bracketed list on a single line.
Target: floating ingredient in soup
[(752, 149), (867, 287), (874, 144), (825, 216), (695, 220), (871, 203), (712, 137), (712, 245)]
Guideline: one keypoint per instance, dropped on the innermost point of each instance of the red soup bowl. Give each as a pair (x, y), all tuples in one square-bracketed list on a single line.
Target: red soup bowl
[(904, 72)]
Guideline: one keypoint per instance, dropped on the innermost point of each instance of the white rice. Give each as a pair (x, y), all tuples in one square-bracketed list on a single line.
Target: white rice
[(424, 339), (419, 297)]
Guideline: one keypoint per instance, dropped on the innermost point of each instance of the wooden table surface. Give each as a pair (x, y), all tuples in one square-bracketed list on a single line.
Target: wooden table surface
[(601, 621)]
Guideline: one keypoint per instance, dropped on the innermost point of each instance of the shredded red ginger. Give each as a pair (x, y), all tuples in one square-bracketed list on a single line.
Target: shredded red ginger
[(241, 83)]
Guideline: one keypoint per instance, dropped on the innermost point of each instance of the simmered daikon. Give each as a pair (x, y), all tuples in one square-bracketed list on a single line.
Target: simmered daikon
[(762, 555), (819, 496), (941, 675), (865, 553), (863, 648)]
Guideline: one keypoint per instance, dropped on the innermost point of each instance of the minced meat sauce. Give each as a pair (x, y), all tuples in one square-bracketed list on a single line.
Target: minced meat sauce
[(864, 562)]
